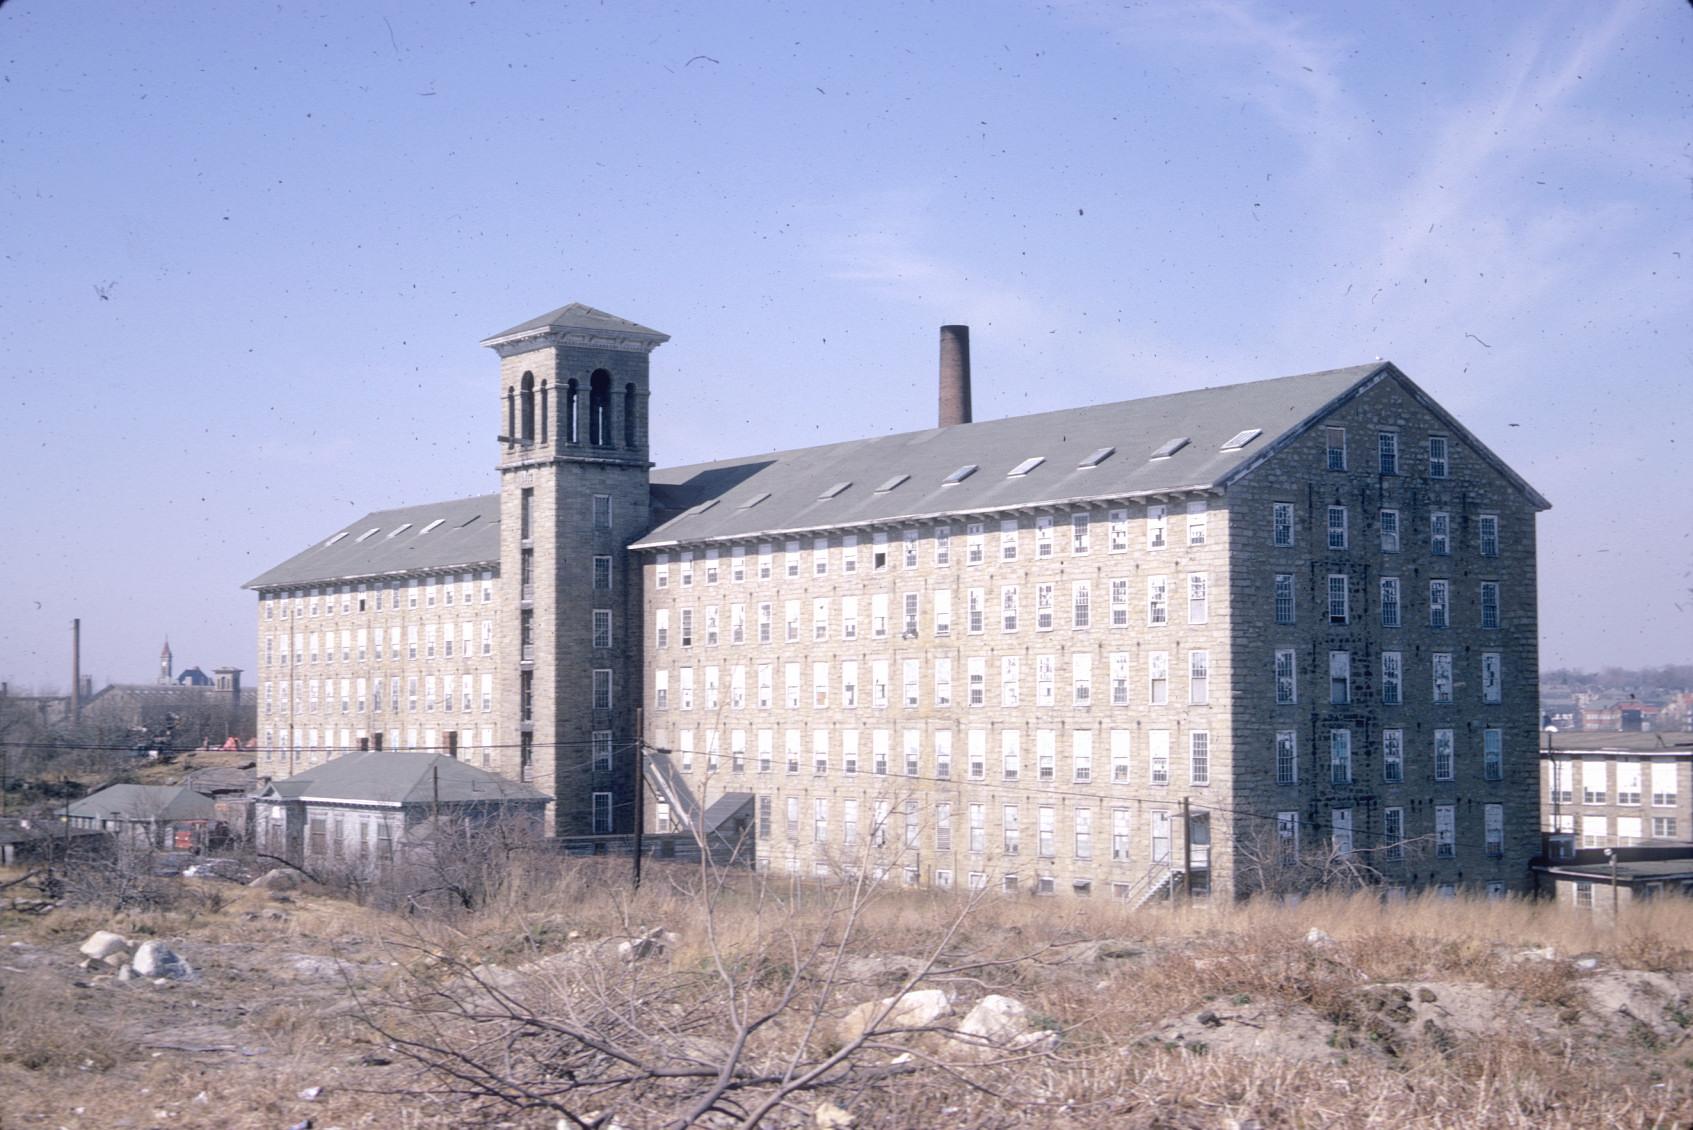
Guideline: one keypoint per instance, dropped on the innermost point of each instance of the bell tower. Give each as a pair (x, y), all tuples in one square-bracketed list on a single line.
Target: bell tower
[(574, 492)]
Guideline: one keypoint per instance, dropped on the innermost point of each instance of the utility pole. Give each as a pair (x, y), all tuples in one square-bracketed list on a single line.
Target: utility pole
[(639, 750), (1187, 852), (435, 806), (1616, 894)]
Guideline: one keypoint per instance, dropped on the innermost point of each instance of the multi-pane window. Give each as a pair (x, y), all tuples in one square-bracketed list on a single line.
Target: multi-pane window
[(1493, 757), (1438, 465), (602, 512), (1046, 680), (1117, 539), (1393, 756), (1157, 600), (1445, 756), (1488, 530), (1392, 678), (1043, 608), (1445, 831), (1158, 756), (602, 688), (1340, 757), (602, 814), (1340, 827), (976, 816), (1047, 831), (1198, 597), (1120, 602), (1287, 680), (1493, 829), (1595, 787), (1340, 677), (1335, 441), (1009, 829), (1390, 602), (1281, 523), (1157, 526), (976, 672), (1079, 539), (1337, 598), (1197, 520), (602, 627), (1393, 832), (1284, 598), (1081, 679), (1663, 785), (975, 543), (1199, 757), (1387, 452), (1158, 676), (1081, 607), (1442, 667), (1120, 834), (1389, 531), (1008, 602), (1287, 759), (976, 750), (1287, 835), (1120, 750), (1199, 677), (1440, 533), (1337, 527), (1439, 605), (1083, 826), (1010, 680), (1492, 678), (1081, 755), (1490, 604), (1043, 537)]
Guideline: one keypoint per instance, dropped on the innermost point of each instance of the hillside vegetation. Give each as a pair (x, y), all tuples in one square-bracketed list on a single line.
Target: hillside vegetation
[(718, 1002)]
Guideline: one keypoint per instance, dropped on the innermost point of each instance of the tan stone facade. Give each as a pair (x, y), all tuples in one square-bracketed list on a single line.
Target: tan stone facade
[(1023, 699), (400, 662)]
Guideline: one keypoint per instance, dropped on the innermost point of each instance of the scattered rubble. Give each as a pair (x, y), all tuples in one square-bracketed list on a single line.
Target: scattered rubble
[(1003, 1023), (918, 1009), (649, 943), (159, 961)]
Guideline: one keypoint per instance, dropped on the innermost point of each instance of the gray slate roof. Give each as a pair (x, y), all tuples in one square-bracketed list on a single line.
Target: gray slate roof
[(144, 802), (468, 535), (578, 317), (1135, 428), (1207, 418), (400, 777)]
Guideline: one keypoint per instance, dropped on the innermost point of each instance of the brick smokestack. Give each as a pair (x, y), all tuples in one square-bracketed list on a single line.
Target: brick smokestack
[(76, 669), (955, 375)]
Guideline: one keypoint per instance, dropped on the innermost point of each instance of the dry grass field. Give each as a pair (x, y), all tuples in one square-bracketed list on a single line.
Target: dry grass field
[(525, 1013)]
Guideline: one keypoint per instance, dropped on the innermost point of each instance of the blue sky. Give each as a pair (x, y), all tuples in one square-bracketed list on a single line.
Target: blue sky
[(248, 252)]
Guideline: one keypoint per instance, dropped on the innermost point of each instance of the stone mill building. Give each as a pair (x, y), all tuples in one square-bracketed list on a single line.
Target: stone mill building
[(1190, 640)]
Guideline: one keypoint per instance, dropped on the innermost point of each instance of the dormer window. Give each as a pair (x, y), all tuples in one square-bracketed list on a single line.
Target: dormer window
[(959, 475), (1025, 466)]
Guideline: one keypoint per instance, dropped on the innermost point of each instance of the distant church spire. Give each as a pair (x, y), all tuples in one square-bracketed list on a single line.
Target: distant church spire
[(165, 663)]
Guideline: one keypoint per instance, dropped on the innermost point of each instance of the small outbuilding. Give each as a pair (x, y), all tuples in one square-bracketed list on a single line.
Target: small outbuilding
[(366, 811), (164, 817)]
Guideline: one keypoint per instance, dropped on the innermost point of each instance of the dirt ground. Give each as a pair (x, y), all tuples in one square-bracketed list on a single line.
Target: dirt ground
[(1203, 1019)]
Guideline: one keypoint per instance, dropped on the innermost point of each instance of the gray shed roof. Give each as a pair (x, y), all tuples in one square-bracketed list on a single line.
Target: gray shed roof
[(457, 533), (144, 802), (399, 777), (1159, 445)]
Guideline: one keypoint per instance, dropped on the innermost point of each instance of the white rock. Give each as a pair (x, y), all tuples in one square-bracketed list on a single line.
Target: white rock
[(1003, 1022), (829, 1116), (155, 959), (1317, 937), (103, 943), (127, 973), (917, 1009)]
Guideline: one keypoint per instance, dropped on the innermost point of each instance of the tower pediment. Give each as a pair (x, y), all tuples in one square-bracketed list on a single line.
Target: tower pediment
[(576, 325)]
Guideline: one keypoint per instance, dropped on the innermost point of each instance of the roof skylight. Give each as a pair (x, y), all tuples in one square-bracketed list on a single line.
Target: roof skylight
[(1170, 448), (1241, 438), (431, 525), (1095, 458), (368, 533), (891, 484), (836, 489), (753, 501), (399, 529), (959, 475), (1025, 466), (703, 507), (336, 538)]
